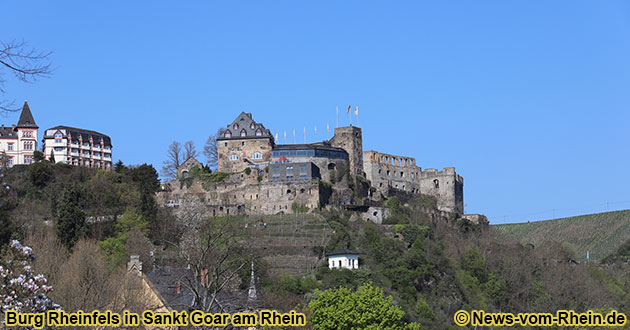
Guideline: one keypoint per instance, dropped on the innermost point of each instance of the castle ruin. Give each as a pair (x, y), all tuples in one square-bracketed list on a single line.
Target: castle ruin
[(262, 177)]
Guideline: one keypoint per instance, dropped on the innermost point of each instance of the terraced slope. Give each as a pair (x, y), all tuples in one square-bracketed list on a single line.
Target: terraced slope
[(291, 244), (600, 233)]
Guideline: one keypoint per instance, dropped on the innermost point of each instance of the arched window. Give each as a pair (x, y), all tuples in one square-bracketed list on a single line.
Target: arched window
[(252, 125), (243, 132), (259, 132), (257, 155), (227, 134), (235, 126), (233, 157), (185, 174)]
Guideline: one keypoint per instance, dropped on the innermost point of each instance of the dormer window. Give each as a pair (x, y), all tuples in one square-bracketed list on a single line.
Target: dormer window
[(252, 125), (227, 134), (235, 126), (259, 132), (58, 137), (243, 132)]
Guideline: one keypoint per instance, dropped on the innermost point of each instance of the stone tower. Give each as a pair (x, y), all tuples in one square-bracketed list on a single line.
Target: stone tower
[(350, 139)]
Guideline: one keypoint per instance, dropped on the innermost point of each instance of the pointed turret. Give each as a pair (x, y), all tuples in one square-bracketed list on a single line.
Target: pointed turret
[(26, 118)]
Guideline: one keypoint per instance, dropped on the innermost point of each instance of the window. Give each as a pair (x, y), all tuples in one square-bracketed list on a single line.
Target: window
[(58, 148), (289, 177), (58, 137), (252, 125), (234, 157), (436, 183), (228, 135), (289, 170), (243, 144), (10, 147), (276, 171), (28, 145), (303, 177), (259, 132), (302, 168), (28, 159), (257, 155), (27, 134), (243, 132), (235, 126), (10, 162)]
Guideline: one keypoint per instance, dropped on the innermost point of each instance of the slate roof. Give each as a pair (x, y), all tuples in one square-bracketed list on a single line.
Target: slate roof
[(165, 281), (245, 123), (85, 134), (342, 252), (26, 117), (7, 132)]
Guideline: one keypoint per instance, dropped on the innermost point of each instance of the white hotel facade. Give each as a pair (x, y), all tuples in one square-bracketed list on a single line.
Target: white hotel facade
[(78, 147)]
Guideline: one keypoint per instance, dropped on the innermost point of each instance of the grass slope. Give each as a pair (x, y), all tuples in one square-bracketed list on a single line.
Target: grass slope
[(600, 233)]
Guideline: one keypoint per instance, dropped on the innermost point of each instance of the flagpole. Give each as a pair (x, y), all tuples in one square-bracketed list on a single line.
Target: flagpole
[(337, 116)]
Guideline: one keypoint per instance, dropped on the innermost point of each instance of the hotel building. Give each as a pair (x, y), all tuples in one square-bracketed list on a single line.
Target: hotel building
[(78, 147)]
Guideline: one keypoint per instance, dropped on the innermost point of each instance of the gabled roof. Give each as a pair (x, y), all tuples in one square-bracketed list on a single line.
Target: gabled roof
[(26, 118), (342, 252), (246, 124)]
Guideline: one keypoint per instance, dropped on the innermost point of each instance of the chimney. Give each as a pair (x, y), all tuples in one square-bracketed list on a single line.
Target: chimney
[(135, 265), (13, 127)]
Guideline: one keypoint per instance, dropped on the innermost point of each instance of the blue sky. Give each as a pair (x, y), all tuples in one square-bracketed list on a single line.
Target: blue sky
[(529, 100)]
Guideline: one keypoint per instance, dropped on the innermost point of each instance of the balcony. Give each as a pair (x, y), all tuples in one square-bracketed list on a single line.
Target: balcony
[(97, 147), (95, 157), (107, 156)]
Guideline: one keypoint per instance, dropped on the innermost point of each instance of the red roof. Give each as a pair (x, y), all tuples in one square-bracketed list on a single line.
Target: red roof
[(282, 158)]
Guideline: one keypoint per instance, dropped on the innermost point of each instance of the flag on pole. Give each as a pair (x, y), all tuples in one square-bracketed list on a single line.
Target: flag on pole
[(285, 136), (276, 136), (327, 129), (349, 107), (315, 130), (304, 134), (294, 136), (356, 111)]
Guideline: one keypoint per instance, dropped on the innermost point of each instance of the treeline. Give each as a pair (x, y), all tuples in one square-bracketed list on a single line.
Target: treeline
[(116, 208)]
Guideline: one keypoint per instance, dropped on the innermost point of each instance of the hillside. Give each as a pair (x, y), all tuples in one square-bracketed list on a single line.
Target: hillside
[(600, 233)]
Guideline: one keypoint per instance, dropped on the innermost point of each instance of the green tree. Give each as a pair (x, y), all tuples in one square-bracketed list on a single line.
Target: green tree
[(71, 218), (38, 156), (52, 157), (40, 174), (366, 308)]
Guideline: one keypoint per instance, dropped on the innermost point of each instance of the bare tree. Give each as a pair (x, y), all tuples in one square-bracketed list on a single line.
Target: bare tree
[(25, 63), (190, 150), (216, 254), (210, 149), (170, 165)]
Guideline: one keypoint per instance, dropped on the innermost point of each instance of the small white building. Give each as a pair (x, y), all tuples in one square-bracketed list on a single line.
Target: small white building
[(347, 259)]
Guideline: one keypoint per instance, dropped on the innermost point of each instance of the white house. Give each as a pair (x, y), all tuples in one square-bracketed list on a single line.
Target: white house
[(343, 259)]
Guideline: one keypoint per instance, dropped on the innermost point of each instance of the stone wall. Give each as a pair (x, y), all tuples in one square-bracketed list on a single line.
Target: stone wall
[(389, 172), (350, 139), (241, 194), (245, 150)]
